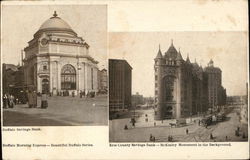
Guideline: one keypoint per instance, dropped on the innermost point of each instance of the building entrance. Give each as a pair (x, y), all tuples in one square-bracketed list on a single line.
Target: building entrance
[(45, 86)]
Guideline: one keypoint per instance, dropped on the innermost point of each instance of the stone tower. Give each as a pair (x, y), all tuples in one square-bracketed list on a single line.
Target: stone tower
[(159, 64), (168, 84)]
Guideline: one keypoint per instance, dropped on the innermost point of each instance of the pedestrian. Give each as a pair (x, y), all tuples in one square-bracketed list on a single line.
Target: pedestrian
[(199, 122), (84, 93), (12, 101), (151, 138), (125, 127), (226, 138), (80, 94), (238, 128), (8, 100), (73, 94), (5, 101), (211, 136), (154, 124), (133, 124), (30, 99), (44, 101), (237, 133), (186, 131), (243, 135), (87, 93), (34, 97)]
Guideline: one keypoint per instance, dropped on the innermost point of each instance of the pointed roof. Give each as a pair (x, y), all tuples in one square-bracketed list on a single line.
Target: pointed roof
[(211, 63), (159, 54), (171, 52), (188, 60), (179, 57)]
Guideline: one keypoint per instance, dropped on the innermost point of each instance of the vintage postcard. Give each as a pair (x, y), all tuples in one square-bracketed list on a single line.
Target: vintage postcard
[(181, 87), (55, 74), (125, 79)]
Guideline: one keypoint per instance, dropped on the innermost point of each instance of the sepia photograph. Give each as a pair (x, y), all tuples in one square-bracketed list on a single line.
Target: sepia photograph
[(105, 79), (54, 65), (178, 87)]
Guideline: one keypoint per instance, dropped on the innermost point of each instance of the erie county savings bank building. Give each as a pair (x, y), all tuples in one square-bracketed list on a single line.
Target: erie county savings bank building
[(57, 60)]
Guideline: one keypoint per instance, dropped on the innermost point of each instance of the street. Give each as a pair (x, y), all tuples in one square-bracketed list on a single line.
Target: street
[(221, 132), (61, 111)]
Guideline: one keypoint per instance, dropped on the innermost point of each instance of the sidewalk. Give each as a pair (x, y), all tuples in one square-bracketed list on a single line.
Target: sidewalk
[(66, 110)]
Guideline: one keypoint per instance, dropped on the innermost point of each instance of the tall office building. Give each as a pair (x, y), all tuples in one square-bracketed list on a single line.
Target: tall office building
[(120, 74)]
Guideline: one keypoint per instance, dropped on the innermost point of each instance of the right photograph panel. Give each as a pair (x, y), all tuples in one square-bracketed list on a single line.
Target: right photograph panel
[(178, 87)]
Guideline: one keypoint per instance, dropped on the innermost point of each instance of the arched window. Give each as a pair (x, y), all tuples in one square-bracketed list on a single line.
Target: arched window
[(169, 87), (68, 77)]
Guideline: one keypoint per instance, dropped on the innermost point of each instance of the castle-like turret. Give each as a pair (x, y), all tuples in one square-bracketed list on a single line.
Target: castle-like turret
[(159, 64)]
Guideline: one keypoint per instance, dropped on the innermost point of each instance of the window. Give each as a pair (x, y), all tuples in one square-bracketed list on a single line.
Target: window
[(169, 88), (68, 77), (156, 78), (45, 68), (92, 79)]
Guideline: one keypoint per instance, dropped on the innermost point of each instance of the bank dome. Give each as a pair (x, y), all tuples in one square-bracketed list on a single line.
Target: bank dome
[(55, 23)]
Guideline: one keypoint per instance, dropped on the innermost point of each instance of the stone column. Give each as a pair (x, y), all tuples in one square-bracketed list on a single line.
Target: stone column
[(50, 75), (39, 87), (178, 95), (79, 76), (86, 77), (83, 73), (59, 76)]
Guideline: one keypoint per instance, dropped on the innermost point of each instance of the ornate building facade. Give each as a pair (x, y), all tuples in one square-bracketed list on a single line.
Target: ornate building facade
[(181, 87), (56, 60)]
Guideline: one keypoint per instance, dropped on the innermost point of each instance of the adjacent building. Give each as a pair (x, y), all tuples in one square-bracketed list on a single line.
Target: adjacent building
[(182, 88), (216, 92), (57, 59), (120, 82), (13, 81), (137, 99), (9, 79), (103, 81)]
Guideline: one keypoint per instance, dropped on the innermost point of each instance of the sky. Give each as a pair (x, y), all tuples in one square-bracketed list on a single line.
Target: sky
[(227, 49), (136, 29), (20, 22)]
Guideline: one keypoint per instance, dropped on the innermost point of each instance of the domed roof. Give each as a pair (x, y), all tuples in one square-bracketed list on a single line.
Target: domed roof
[(55, 23)]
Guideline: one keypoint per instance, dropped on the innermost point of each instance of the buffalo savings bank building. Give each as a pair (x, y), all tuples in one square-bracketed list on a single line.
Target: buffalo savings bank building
[(56, 60)]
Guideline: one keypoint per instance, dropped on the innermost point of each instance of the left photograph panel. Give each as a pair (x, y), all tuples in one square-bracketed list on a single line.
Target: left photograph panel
[(54, 65)]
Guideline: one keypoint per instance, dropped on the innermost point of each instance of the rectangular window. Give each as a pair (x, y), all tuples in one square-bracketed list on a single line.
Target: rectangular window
[(156, 77)]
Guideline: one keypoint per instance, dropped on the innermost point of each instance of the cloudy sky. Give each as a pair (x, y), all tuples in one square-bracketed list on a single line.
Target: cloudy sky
[(20, 22), (227, 49)]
